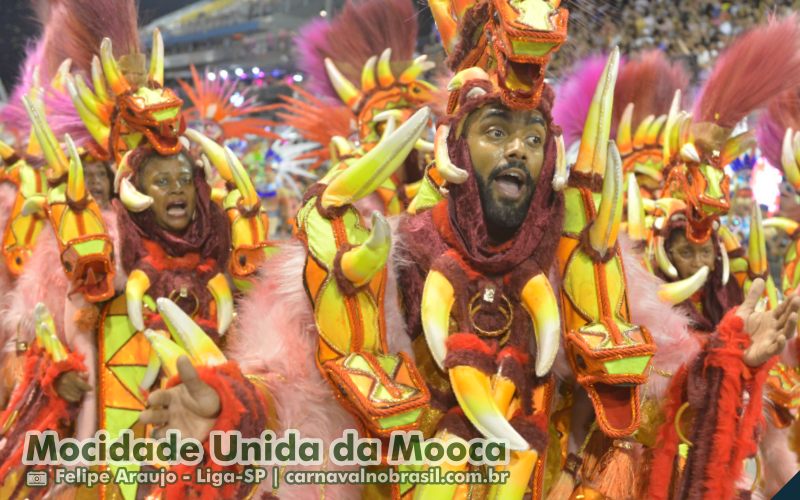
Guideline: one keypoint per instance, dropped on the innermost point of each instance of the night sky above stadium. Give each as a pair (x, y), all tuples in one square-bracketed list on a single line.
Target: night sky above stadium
[(18, 25)]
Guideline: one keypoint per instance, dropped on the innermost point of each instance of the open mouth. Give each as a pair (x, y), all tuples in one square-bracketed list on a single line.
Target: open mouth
[(177, 209), (616, 401), (511, 183), (521, 76)]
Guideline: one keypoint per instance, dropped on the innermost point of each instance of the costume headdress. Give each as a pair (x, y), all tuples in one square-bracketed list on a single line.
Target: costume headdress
[(214, 114), (511, 40), (779, 139), (364, 58), (759, 65)]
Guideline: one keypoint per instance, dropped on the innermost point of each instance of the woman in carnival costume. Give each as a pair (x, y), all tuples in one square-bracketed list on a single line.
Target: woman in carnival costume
[(164, 275), (718, 373)]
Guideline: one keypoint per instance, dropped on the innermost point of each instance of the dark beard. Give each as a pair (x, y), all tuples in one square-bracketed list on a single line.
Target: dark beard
[(504, 219)]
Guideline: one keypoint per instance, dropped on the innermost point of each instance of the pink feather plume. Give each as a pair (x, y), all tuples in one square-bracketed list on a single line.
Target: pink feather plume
[(782, 112), (649, 81), (363, 29)]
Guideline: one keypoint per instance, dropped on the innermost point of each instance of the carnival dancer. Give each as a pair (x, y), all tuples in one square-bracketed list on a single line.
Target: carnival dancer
[(488, 272), (173, 246), (714, 372)]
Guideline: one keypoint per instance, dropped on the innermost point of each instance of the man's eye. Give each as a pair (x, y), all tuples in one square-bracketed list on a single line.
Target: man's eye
[(495, 133), (162, 182), (686, 254), (534, 140)]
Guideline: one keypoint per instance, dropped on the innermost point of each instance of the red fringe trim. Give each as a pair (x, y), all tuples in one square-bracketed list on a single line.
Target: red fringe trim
[(224, 379), (667, 442), (468, 342), (512, 352), (73, 363), (721, 473)]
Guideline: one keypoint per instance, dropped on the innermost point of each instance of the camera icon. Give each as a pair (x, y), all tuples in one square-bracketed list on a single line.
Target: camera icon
[(36, 478)]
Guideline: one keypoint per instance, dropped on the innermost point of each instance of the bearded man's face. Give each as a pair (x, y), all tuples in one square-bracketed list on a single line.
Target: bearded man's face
[(507, 151)]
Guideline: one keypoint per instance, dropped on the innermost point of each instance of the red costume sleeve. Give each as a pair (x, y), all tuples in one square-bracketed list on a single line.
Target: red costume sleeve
[(725, 397), (244, 408)]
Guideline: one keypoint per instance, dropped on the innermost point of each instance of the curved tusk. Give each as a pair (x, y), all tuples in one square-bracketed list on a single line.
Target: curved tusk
[(364, 175), (119, 84), (360, 264), (91, 101), (636, 224), (347, 92), (47, 140), (6, 151), (785, 224), (191, 337), (46, 333), (214, 152), (640, 136), (446, 168), (654, 129), (424, 146), (76, 187), (465, 75), (168, 351), (419, 66), (736, 146), (540, 302), (757, 244), (151, 372), (60, 78), (124, 170), (221, 291), (473, 391), (242, 181), (670, 127), (678, 291), (438, 296), (593, 151), (788, 160), (726, 264), (561, 175), (689, 153), (156, 73), (662, 259), (624, 131), (100, 131), (385, 75), (99, 81), (342, 146), (132, 198), (390, 117), (605, 227), (34, 205), (368, 81), (137, 285)]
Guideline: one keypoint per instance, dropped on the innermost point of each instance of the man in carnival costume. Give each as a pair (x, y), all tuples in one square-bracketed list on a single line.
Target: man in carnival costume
[(168, 271), (499, 155), (714, 370)]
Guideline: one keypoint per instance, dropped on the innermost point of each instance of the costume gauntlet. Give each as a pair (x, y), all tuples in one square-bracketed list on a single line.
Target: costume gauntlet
[(345, 277), (609, 355)]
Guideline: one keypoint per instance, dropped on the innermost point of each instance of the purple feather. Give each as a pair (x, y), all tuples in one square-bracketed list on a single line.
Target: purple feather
[(64, 119), (769, 134), (574, 96), (311, 42)]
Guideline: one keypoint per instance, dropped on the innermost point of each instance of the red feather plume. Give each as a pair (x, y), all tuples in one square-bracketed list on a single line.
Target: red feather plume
[(760, 64)]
